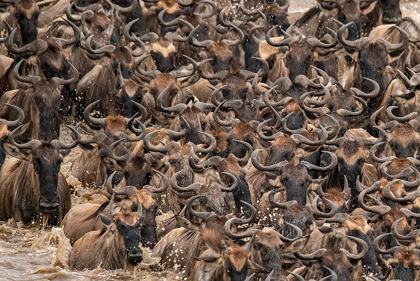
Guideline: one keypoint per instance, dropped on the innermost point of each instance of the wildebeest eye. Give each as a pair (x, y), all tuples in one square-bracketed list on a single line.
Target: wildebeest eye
[(348, 59)]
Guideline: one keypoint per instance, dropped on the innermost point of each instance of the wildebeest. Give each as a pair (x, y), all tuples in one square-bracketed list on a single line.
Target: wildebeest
[(32, 185), (116, 246)]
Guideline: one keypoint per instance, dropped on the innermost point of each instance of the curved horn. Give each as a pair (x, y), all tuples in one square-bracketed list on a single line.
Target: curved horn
[(96, 121), (330, 167), (388, 194), (247, 155), (202, 215), (398, 46), (211, 145), (179, 108), (372, 154), (213, 12), (219, 75), (377, 249), (201, 44), (108, 184), (298, 233), (160, 189), (29, 145), (71, 145), (315, 42), (318, 213), (213, 161), (164, 23), (356, 44), (192, 187), (18, 121), (285, 42), (374, 93), (410, 236), (249, 232), (73, 78), (124, 158), (361, 254), (30, 79), (259, 166), (107, 49), (283, 205), (381, 210), (151, 147), (405, 118)]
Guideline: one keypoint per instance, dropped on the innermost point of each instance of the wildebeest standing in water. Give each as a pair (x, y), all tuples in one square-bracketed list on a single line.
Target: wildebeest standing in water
[(31, 184)]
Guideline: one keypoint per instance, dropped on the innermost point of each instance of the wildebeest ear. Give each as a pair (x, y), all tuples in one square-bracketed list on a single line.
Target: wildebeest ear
[(104, 219), (14, 151), (208, 259), (297, 245), (185, 223)]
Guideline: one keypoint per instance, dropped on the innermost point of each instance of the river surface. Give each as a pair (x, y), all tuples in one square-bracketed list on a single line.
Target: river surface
[(34, 254)]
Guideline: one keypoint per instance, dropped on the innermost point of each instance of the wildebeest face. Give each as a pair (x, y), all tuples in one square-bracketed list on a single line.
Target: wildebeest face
[(131, 237), (222, 56), (164, 55), (47, 97), (299, 58), (46, 161), (404, 141), (391, 12), (138, 172), (405, 265), (240, 132), (27, 13), (267, 250), (297, 119), (282, 149), (351, 157), (296, 180), (349, 11), (277, 16), (338, 262), (373, 62)]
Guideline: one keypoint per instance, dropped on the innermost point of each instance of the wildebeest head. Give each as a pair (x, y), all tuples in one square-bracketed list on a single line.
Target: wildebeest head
[(125, 200), (301, 51), (127, 225), (404, 262), (373, 56), (268, 245), (391, 12), (335, 255), (46, 159), (42, 102), (26, 13)]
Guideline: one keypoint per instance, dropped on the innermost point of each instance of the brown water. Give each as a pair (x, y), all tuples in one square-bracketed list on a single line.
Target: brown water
[(32, 254)]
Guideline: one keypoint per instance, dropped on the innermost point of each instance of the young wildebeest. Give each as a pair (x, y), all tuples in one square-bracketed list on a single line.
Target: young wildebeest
[(114, 247)]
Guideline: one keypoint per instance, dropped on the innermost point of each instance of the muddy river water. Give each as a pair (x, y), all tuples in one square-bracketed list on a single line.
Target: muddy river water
[(33, 254)]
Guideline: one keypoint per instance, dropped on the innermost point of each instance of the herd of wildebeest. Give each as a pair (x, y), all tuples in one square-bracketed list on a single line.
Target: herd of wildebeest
[(236, 140)]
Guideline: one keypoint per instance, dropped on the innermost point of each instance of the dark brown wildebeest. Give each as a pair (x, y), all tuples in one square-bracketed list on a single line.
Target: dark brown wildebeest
[(385, 12), (84, 218), (41, 102), (315, 21), (32, 185), (116, 246), (268, 246)]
